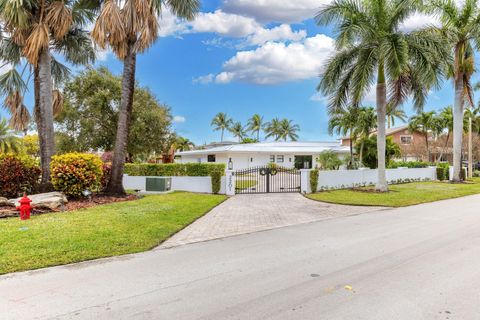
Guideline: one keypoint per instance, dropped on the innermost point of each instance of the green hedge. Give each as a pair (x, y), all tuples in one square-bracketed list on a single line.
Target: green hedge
[(214, 170), (442, 171), (314, 180), (409, 164)]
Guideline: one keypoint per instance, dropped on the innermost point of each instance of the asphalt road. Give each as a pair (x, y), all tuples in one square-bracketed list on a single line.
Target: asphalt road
[(421, 262)]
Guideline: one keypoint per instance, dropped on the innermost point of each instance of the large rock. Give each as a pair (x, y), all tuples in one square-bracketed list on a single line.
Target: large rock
[(50, 200), (4, 202)]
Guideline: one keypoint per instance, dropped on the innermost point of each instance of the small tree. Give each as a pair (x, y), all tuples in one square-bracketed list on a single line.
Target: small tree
[(329, 160), (370, 151)]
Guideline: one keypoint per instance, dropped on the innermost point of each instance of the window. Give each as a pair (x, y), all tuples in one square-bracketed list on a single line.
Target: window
[(272, 158), (279, 159), (406, 139), (211, 158)]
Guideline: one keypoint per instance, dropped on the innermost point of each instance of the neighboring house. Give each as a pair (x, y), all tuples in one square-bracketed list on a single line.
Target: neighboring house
[(287, 154), (412, 145)]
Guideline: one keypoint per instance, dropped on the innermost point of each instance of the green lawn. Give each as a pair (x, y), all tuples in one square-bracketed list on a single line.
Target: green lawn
[(102, 231), (245, 184), (400, 195)]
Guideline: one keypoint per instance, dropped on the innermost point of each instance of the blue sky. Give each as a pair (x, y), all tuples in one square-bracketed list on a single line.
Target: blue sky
[(244, 57)]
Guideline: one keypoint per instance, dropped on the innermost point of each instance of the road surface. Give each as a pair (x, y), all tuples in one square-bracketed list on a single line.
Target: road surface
[(420, 262)]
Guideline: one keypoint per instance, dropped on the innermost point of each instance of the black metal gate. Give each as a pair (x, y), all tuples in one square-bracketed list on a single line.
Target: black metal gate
[(267, 179)]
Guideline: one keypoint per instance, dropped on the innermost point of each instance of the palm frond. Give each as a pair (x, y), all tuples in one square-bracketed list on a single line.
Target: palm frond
[(59, 19), (37, 41), (11, 81)]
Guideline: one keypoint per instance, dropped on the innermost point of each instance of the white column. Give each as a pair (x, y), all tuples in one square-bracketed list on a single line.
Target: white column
[(305, 181), (229, 183)]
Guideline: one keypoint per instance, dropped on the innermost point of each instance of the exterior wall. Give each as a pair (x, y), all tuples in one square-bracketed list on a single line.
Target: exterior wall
[(340, 179), (190, 184)]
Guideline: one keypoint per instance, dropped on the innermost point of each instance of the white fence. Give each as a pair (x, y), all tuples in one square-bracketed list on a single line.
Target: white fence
[(191, 184), (340, 179)]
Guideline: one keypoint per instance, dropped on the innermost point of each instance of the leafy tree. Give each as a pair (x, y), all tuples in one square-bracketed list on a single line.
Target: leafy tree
[(367, 122), (329, 160), (395, 112), (392, 150), (221, 122), (424, 122), (184, 144), (238, 130), (272, 129), (255, 125), (460, 30), (31, 146), (9, 142), (288, 130), (89, 117), (35, 30), (372, 48), (343, 122), (129, 28), (445, 122)]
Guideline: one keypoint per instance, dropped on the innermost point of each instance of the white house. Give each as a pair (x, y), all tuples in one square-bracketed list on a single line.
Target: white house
[(242, 156)]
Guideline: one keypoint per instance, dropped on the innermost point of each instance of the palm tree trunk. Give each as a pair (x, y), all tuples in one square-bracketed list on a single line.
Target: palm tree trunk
[(351, 151), (389, 120), (360, 157), (426, 145), (258, 135), (445, 146), (381, 117), (457, 128), (115, 185), (44, 116), (221, 138)]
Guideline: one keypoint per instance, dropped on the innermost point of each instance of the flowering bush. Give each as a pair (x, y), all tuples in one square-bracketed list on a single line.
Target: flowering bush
[(107, 170), (17, 175), (73, 173)]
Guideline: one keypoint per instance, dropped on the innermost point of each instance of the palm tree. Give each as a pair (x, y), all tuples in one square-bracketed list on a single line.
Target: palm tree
[(445, 122), (424, 122), (461, 32), (35, 29), (272, 129), (288, 130), (344, 123), (395, 112), (237, 130), (184, 144), (367, 122), (130, 27), (371, 48), (221, 122), (9, 142), (255, 124)]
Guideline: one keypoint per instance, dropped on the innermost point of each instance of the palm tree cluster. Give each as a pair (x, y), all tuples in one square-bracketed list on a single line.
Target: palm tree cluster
[(35, 31), (372, 49), (278, 129)]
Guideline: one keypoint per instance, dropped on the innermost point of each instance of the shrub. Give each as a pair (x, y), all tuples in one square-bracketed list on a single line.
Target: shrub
[(173, 169), (17, 175), (408, 164), (314, 180), (443, 171), (476, 173), (106, 171), (216, 181), (329, 160), (73, 173)]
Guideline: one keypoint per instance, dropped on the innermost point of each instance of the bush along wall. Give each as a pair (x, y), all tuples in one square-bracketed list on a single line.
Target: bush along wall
[(213, 170), (443, 171), (314, 180), (17, 175)]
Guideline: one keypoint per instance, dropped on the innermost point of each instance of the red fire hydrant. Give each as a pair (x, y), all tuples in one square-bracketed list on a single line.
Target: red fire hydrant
[(24, 207)]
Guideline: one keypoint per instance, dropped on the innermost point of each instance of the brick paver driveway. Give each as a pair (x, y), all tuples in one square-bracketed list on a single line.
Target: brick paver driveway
[(247, 213)]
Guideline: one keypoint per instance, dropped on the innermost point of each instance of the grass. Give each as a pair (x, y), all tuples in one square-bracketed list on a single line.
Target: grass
[(102, 231), (400, 195), (245, 184)]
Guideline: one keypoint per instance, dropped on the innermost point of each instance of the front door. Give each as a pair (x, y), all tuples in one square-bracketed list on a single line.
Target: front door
[(303, 162)]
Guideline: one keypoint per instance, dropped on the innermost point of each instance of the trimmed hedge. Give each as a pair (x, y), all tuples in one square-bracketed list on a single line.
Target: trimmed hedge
[(408, 164), (442, 171), (214, 170), (314, 180), (17, 174)]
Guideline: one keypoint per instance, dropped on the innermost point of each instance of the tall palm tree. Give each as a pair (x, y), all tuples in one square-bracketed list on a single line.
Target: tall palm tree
[(272, 129), (255, 125), (460, 30), (9, 142), (395, 112), (372, 48), (130, 27), (424, 122), (366, 123), (221, 122), (184, 144), (288, 130), (34, 30), (238, 130), (445, 122), (344, 122)]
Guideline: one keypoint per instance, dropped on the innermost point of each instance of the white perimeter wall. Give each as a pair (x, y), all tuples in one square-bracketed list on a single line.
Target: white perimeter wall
[(191, 184), (339, 179)]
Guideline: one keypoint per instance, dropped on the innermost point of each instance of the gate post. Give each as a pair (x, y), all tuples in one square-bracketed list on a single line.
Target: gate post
[(230, 183), (305, 181)]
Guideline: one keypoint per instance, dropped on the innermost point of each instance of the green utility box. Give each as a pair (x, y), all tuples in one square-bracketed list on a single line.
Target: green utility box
[(158, 184)]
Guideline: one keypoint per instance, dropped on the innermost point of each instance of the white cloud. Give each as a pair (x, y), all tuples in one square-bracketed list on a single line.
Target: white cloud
[(278, 62), (287, 11), (418, 21), (317, 96), (179, 119), (204, 79), (224, 24), (281, 33)]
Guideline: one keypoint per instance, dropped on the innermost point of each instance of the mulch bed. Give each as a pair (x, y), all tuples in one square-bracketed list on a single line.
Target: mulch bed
[(73, 204)]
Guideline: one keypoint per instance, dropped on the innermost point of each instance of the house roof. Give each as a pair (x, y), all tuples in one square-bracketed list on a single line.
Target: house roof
[(273, 147), (388, 131)]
